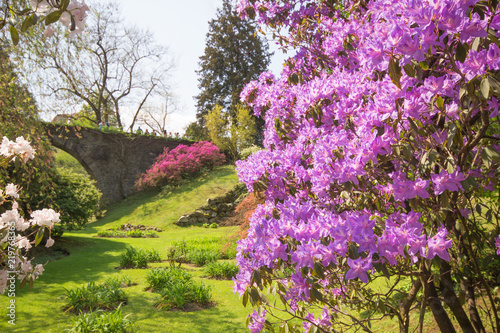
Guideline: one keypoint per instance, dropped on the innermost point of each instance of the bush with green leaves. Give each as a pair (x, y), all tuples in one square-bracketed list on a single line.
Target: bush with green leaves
[(102, 321), (104, 296), (138, 258), (77, 197), (245, 153), (221, 270), (200, 251), (177, 288), (159, 278), (124, 234)]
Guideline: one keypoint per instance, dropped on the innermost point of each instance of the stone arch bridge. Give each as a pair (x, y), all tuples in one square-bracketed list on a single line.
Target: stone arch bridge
[(114, 160)]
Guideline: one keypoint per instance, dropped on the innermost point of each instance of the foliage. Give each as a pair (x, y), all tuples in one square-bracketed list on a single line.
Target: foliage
[(195, 132), (245, 153), (221, 270), (200, 251), (20, 17), (180, 163), (138, 258), (130, 233), (234, 55), (105, 296), (101, 321), (77, 198), (17, 234), (177, 288), (382, 145), (19, 117), (231, 136), (159, 278), (63, 160)]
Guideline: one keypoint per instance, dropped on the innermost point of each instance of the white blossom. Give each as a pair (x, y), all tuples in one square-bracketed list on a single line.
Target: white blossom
[(49, 243), (45, 217), (11, 190)]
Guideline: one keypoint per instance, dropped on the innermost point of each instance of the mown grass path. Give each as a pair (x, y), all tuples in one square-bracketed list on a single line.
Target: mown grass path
[(95, 259)]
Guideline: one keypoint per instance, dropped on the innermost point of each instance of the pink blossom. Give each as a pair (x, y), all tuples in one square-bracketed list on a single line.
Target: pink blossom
[(359, 267), (439, 246)]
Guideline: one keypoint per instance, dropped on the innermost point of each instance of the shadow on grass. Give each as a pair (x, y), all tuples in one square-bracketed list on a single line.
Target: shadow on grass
[(214, 319), (146, 197)]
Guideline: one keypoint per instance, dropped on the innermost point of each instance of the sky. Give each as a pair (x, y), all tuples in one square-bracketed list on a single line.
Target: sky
[(182, 27)]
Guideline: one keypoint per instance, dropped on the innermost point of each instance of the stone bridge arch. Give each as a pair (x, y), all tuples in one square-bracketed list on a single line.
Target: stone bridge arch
[(114, 160)]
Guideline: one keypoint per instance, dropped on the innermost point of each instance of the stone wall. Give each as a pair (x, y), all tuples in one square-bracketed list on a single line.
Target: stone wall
[(215, 210), (114, 160)]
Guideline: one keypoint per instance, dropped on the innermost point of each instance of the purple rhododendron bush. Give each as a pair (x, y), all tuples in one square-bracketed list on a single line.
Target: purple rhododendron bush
[(179, 163), (381, 163)]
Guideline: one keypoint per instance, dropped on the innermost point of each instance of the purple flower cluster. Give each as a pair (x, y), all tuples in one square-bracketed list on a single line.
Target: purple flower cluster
[(373, 129), (179, 163)]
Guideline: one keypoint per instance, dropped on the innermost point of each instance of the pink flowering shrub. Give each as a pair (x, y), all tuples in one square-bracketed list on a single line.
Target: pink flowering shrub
[(179, 163), (382, 161)]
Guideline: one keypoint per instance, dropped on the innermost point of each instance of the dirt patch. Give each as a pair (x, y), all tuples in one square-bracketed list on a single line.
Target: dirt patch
[(192, 307)]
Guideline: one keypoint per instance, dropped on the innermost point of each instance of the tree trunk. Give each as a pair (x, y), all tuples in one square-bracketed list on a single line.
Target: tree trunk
[(404, 308), (451, 299), (471, 303), (432, 299)]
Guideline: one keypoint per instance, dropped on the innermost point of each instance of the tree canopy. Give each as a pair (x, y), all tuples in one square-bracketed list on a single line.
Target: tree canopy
[(234, 55)]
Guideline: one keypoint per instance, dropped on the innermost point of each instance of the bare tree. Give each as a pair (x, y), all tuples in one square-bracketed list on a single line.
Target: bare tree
[(109, 67), (155, 116)]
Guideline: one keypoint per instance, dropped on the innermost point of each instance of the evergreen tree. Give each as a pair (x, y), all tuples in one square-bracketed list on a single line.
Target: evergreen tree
[(234, 55)]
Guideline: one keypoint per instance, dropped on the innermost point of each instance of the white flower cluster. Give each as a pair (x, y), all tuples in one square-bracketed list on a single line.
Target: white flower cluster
[(75, 8), (45, 217), (21, 147), (11, 221)]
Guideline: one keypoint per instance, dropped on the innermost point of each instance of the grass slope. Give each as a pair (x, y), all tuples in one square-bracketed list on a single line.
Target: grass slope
[(95, 259)]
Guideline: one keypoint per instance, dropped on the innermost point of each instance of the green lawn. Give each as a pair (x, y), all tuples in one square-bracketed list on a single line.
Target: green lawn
[(95, 259)]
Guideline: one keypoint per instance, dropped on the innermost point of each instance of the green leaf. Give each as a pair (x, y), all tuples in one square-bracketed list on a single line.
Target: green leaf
[(316, 294), (245, 299), (440, 103), (409, 70), (460, 52), (352, 251), (495, 156), (318, 268), (395, 72), (14, 35), (52, 17), (424, 65), (254, 296), (485, 88), (39, 235), (64, 4), (452, 131), (28, 22)]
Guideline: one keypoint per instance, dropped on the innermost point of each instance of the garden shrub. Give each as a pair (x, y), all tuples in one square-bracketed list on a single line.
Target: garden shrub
[(177, 288), (245, 153), (180, 163), (102, 321), (138, 258), (77, 198), (159, 278), (130, 233), (105, 296), (221, 270), (200, 251)]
